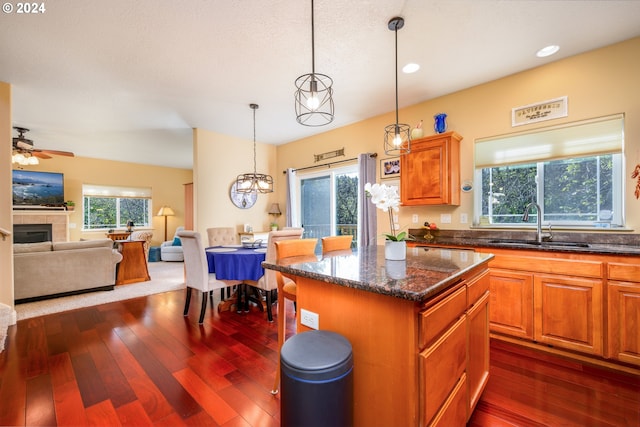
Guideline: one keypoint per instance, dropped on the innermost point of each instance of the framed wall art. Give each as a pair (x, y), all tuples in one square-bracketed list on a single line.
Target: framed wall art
[(390, 168)]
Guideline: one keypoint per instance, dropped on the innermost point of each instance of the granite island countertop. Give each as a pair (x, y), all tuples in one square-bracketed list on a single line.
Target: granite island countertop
[(425, 273)]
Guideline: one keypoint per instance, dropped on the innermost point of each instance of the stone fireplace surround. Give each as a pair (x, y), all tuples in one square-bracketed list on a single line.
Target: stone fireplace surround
[(59, 220)]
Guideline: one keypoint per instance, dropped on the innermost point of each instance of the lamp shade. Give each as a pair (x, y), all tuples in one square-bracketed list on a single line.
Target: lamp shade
[(275, 209), (165, 211)]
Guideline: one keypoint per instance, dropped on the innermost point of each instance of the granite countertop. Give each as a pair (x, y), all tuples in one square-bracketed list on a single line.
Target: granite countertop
[(588, 243), (425, 273)]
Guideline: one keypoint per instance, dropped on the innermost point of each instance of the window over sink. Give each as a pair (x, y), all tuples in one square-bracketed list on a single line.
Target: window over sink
[(574, 172)]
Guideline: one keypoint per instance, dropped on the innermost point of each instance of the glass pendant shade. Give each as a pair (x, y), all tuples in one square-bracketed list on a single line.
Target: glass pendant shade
[(397, 137), (314, 95), (254, 182)]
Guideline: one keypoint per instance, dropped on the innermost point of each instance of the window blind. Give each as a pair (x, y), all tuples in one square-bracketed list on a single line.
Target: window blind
[(587, 138), (115, 191)]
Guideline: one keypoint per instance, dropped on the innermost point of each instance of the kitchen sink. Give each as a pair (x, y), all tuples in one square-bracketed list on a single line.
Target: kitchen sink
[(516, 242)]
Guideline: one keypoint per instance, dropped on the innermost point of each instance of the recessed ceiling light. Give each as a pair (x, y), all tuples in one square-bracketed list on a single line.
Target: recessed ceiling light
[(410, 68), (547, 51)]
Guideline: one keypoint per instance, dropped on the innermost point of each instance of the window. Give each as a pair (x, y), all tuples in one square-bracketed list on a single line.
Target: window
[(329, 202), (108, 207), (574, 173)]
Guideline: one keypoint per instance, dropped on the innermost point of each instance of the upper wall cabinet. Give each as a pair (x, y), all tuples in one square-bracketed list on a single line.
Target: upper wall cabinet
[(431, 171)]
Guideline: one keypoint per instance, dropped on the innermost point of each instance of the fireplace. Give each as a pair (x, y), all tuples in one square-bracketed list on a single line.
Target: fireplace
[(32, 233)]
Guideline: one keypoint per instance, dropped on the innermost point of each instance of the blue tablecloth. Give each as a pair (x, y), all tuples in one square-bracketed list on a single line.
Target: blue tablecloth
[(238, 264)]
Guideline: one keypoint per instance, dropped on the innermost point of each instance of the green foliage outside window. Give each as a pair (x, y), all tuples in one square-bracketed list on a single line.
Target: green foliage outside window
[(114, 212)]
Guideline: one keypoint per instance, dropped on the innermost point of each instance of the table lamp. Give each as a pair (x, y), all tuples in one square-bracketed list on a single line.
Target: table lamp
[(165, 211)]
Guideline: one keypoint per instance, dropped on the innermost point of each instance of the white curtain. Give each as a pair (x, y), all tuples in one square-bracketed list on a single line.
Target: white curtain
[(368, 218), (292, 202)]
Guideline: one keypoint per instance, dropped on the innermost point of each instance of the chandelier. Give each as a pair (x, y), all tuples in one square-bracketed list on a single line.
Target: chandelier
[(397, 139), (314, 102), (254, 182)]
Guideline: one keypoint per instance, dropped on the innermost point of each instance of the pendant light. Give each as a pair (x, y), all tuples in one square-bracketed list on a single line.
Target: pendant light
[(314, 96), (254, 182), (397, 139)]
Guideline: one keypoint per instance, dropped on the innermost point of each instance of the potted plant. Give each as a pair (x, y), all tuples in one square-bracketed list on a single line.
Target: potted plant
[(70, 205), (386, 198), (274, 226)]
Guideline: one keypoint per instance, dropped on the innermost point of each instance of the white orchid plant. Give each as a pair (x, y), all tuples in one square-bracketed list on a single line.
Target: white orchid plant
[(386, 198)]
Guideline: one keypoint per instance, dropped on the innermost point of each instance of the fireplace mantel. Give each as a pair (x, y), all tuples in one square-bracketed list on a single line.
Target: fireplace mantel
[(58, 219)]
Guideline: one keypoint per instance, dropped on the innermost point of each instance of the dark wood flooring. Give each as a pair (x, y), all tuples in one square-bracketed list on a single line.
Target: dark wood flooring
[(140, 362)]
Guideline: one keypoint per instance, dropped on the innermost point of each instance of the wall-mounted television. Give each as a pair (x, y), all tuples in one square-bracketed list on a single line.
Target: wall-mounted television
[(33, 188)]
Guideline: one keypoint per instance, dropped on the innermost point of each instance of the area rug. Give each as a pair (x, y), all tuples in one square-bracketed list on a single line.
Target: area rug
[(5, 318), (165, 276)]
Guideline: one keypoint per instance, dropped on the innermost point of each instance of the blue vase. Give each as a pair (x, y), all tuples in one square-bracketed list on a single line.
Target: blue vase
[(440, 124)]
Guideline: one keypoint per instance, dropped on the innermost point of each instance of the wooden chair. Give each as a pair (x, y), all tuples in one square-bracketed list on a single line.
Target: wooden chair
[(219, 236), (289, 251), (196, 270), (336, 243), (268, 283)]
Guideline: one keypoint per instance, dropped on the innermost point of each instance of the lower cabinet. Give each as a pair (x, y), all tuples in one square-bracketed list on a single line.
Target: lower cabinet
[(623, 308), (582, 303), (569, 313), (511, 302), (454, 362)]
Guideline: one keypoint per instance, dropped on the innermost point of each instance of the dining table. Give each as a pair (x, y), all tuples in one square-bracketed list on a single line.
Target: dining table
[(236, 263)]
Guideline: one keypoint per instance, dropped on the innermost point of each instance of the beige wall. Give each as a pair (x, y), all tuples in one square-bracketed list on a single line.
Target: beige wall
[(218, 160), (167, 188), (6, 248), (597, 83)]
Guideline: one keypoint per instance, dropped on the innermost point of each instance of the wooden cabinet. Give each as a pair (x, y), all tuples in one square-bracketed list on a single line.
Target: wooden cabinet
[(511, 310), (569, 312), (623, 309), (431, 171), (549, 298), (415, 364), (477, 339)]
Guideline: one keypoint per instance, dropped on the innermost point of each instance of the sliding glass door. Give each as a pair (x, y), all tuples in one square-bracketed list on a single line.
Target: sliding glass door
[(329, 202)]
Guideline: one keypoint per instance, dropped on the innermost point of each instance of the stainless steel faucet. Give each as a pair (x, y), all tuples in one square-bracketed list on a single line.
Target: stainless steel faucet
[(525, 218)]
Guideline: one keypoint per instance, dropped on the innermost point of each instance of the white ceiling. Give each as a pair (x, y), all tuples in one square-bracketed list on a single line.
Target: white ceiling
[(127, 80)]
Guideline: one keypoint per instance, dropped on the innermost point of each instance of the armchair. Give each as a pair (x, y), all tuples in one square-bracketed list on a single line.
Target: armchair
[(146, 236), (169, 251)]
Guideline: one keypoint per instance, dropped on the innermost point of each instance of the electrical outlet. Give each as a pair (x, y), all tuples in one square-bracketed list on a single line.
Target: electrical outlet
[(463, 218), (414, 218), (309, 319), (445, 218)]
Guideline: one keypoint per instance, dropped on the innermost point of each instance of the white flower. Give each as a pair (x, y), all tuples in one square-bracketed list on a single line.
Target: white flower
[(387, 199)]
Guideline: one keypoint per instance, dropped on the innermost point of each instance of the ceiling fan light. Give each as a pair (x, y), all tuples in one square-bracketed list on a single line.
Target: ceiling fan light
[(32, 160)]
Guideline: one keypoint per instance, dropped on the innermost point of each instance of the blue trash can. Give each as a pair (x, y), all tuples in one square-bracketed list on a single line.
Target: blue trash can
[(154, 254), (316, 383)]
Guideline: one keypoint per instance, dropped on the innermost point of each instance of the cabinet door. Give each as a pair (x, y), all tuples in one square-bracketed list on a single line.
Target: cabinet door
[(568, 313), (431, 172), (511, 308), (478, 350), (624, 321)]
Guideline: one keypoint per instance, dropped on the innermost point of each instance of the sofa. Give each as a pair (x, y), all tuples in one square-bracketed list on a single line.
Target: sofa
[(51, 269)]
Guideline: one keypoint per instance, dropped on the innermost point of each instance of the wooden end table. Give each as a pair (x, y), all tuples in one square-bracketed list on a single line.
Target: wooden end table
[(133, 267)]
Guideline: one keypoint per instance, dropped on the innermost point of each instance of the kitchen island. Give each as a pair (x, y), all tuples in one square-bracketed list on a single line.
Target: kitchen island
[(418, 328)]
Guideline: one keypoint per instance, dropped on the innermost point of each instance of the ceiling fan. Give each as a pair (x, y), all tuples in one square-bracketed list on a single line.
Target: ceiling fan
[(25, 153)]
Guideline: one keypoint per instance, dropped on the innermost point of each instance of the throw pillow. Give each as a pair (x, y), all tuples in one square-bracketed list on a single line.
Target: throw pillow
[(176, 241)]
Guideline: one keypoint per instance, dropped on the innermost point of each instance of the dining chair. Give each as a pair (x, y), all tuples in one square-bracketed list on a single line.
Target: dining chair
[(197, 274), (292, 251), (219, 236), (267, 282), (336, 243)]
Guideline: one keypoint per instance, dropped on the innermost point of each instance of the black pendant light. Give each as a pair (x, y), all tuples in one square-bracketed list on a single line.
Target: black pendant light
[(397, 139), (314, 96), (254, 182)]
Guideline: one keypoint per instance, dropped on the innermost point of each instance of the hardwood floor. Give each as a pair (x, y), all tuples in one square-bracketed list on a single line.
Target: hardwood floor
[(140, 362)]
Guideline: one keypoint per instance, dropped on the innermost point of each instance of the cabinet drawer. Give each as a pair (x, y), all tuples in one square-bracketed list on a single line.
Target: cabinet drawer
[(441, 367), (624, 272), (453, 410), (477, 286), (434, 320)]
